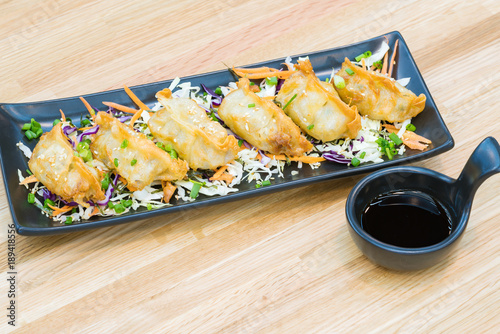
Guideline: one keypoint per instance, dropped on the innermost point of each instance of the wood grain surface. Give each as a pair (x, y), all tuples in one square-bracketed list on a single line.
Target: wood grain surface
[(280, 263)]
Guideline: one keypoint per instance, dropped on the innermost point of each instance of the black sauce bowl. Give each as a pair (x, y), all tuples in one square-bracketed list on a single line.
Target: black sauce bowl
[(455, 195)]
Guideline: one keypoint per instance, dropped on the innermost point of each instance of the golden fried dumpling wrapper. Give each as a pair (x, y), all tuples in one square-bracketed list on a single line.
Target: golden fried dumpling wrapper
[(317, 108), (64, 174), (261, 122), (183, 124), (132, 155), (378, 96)]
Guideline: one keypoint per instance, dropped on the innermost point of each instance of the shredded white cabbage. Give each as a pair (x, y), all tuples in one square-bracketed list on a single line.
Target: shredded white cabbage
[(25, 149)]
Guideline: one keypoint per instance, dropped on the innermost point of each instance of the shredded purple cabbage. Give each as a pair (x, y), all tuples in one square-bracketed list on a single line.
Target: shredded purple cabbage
[(91, 131), (217, 98), (47, 194), (124, 118), (279, 85), (68, 203), (68, 130), (335, 157), (109, 191)]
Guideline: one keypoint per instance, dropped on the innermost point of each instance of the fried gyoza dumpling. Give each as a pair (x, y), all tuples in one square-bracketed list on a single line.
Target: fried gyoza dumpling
[(378, 96), (55, 166), (132, 155), (262, 123), (203, 143), (317, 108)]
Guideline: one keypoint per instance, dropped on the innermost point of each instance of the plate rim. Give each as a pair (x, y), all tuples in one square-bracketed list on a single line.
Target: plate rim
[(140, 215)]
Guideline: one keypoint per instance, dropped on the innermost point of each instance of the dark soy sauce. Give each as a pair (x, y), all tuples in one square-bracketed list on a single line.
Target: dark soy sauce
[(406, 218)]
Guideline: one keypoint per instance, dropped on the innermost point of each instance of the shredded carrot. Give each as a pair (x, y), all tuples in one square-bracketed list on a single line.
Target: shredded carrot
[(85, 128), (123, 180), (254, 70), (219, 172), (363, 63), (29, 179), (135, 98), (168, 191), (228, 178), (304, 158), (410, 138), (255, 89), (96, 211), (62, 115), (57, 211), (389, 73), (120, 107), (408, 134), (134, 118), (89, 108), (384, 66)]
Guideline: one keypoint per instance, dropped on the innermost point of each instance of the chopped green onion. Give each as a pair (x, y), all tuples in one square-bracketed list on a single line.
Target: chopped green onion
[(119, 208), (327, 79), (160, 145), (149, 206), (29, 172), (85, 122), (310, 127), (127, 203), (31, 198), (363, 55), (111, 205), (86, 155), (355, 162), (378, 64), (116, 162), (124, 143), (212, 116), (105, 181), (252, 83), (240, 142), (266, 183), (394, 137), (411, 127), (339, 82), (251, 105), (38, 132), (273, 81), (69, 221), (173, 154), (48, 202), (362, 155), (35, 124), (258, 186), (56, 121), (133, 162), (349, 71), (30, 134), (388, 153), (290, 101), (73, 210), (26, 126), (196, 189), (218, 91)]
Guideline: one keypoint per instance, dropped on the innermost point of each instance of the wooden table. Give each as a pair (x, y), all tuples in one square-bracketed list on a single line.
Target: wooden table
[(281, 263)]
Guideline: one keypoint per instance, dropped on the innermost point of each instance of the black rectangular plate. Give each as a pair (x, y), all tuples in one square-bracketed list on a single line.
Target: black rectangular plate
[(30, 221)]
